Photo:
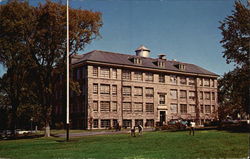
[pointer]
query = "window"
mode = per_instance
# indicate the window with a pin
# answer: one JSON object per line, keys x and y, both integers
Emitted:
{"x": 149, "y": 92}
{"x": 114, "y": 73}
{"x": 162, "y": 99}
{"x": 95, "y": 88}
{"x": 161, "y": 78}
{"x": 200, "y": 82}
{"x": 95, "y": 106}
{"x": 149, "y": 123}
{"x": 149, "y": 77}
{"x": 126, "y": 90}
{"x": 192, "y": 108}
{"x": 149, "y": 107}
{"x": 126, "y": 123}
{"x": 104, "y": 72}
{"x": 183, "y": 108}
{"x": 114, "y": 106}
{"x": 161, "y": 64}
{"x": 95, "y": 123}
{"x": 202, "y": 109}
{"x": 95, "y": 71}
{"x": 183, "y": 80}
{"x": 137, "y": 61}
{"x": 213, "y": 109}
{"x": 201, "y": 95}
{"x": 105, "y": 89}
{"x": 105, "y": 123}
{"x": 213, "y": 96}
{"x": 126, "y": 75}
{"x": 207, "y": 109}
{"x": 138, "y": 122}
{"x": 114, "y": 90}
{"x": 127, "y": 107}
{"x": 206, "y": 82}
{"x": 192, "y": 95}
{"x": 173, "y": 94}
{"x": 115, "y": 121}
{"x": 212, "y": 83}
{"x": 207, "y": 95}
{"x": 173, "y": 108}
{"x": 138, "y": 107}
{"x": 183, "y": 94}
{"x": 138, "y": 91}
{"x": 173, "y": 79}
{"x": 105, "y": 106}
{"x": 138, "y": 76}
{"x": 191, "y": 81}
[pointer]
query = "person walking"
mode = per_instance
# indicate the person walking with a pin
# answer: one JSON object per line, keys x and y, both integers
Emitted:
{"x": 140, "y": 129}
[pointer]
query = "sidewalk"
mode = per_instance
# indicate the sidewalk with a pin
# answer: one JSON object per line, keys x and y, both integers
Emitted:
{"x": 92, "y": 133}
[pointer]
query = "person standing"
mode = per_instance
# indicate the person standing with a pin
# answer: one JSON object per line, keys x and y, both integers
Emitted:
{"x": 140, "y": 129}
{"x": 192, "y": 126}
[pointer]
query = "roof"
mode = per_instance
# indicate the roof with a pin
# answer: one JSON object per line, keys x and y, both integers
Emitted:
{"x": 142, "y": 47}
{"x": 125, "y": 59}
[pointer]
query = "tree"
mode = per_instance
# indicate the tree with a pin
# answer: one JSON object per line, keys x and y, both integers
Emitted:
{"x": 42, "y": 37}
{"x": 234, "y": 86}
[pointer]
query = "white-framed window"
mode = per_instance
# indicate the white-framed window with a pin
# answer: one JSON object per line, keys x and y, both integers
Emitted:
{"x": 114, "y": 106}
{"x": 114, "y": 89}
{"x": 206, "y": 82}
{"x": 95, "y": 88}
{"x": 207, "y": 95}
{"x": 208, "y": 109}
{"x": 213, "y": 96}
{"x": 212, "y": 82}
{"x": 126, "y": 90}
{"x": 162, "y": 99}
{"x": 95, "y": 71}
{"x": 201, "y": 95}
{"x": 105, "y": 72}
{"x": 95, "y": 123}
{"x": 138, "y": 91}
{"x": 202, "y": 108}
{"x": 105, "y": 106}
{"x": 173, "y": 94}
{"x": 95, "y": 106}
{"x": 183, "y": 108}
{"x": 192, "y": 95}
{"x": 192, "y": 108}
{"x": 105, "y": 123}
{"x": 149, "y": 107}
{"x": 161, "y": 78}
{"x": 126, "y": 75}
{"x": 183, "y": 94}
{"x": 114, "y": 73}
{"x": 105, "y": 89}
{"x": 138, "y": 76}
{"x": 183, "y": 80}
{"x": 200, "y": 81}
{"x": 173, "y": 108}
{"x": 173, "y": 79}
{"x": 149, "y": 92}
{"x": 138, "y": 107}
{"x": 149, "y": 77}
{"x": 191, "y": 81}
{"x": 127, "y": 107}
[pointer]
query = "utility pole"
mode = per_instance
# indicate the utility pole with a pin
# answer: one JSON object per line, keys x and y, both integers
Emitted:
{"x": 67, "y": 111}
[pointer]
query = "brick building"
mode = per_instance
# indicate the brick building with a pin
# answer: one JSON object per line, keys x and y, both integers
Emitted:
{"x": 132, "y": 89}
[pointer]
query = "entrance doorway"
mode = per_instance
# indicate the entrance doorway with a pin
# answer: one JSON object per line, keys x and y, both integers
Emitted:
{"x": 162, "y": 117}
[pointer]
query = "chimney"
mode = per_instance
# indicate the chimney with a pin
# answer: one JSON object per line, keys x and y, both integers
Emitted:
{"x": 142, "y": 51}
{"x": 162, "y": 57}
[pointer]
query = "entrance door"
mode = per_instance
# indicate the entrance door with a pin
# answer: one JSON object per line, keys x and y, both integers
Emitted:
{"x": 162, "y": 117}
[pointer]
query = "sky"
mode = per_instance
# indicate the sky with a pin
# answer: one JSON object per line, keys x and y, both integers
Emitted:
{"x": 185, "y": 30}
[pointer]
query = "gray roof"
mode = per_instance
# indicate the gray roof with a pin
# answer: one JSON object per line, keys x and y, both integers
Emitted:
{"x": 142, "y": 47}
{"x": 125, "y": 59}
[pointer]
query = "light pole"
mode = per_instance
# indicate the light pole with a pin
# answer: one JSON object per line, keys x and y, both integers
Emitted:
{"x": 67, "y": 111}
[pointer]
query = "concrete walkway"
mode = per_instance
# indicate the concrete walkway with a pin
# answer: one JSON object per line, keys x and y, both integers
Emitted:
{"x": 92, "y": 133}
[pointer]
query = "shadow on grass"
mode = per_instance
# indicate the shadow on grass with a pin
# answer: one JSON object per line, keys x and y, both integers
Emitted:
{"x": 22, "y": 137}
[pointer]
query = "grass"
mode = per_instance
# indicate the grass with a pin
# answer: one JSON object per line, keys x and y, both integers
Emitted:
{"x": 205, "y": 144}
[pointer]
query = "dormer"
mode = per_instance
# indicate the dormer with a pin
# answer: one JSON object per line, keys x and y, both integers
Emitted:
{"x": 180, "y": 66}
{"x": 136, "y": 60}
{"x": 160, "y": 63}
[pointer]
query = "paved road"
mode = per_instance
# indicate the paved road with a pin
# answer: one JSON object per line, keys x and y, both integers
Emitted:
{"x": 92, "y": 133}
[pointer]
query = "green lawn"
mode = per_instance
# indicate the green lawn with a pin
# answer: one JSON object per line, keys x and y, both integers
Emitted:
{"x": 205, "y": 144}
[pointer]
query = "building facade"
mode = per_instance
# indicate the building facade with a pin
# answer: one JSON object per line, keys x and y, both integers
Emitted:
{"x": 137, "y": 89}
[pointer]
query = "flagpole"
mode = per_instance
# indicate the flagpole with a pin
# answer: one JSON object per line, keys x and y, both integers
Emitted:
{"x": 67, "y": 118}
